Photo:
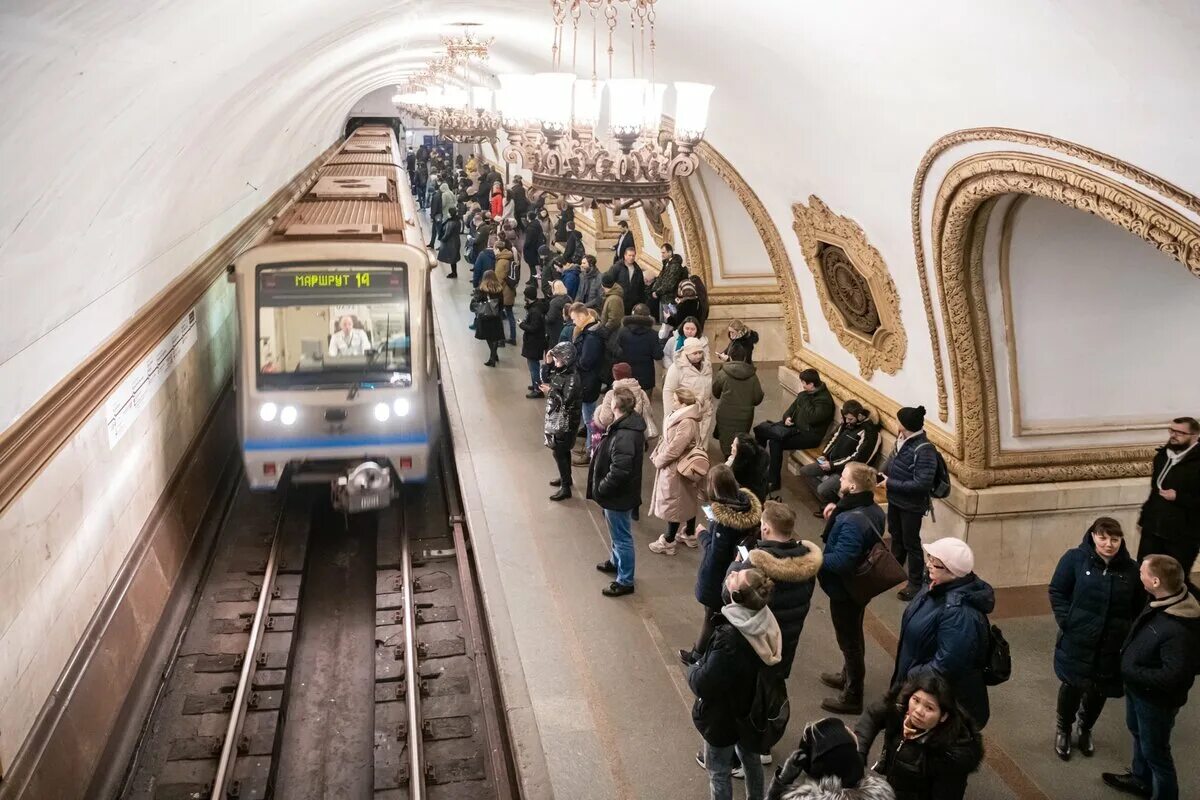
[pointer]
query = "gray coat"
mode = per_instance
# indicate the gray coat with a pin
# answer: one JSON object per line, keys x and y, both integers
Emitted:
{"x": 590, "y": 292}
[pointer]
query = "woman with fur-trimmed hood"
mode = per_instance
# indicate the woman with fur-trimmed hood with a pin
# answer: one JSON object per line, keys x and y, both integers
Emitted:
{"x": 736, "y": 515}
{"x": 827, "y": 766}
{"x": 793, "y": 566}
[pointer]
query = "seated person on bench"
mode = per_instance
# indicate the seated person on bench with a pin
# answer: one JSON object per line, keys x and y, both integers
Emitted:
{"x": 856, "y": 439}
{"x": 803, "y": 425}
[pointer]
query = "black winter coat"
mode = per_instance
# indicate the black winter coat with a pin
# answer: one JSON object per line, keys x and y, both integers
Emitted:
{"x": 620, "y": 274}
{"x": 489, "y": 329}
{"x": 723, "y": 682}
{"x": 555, "y": 319}
{"x": 793, "y": 566}
{"x": 615, "y": 473}
{"x": 1161, "y": 657}
{"x": 688, "y": 307}
{"x": 750, "y": 468}
{"x": 639, "y": 347}
{"x": 1177, "y": 519}
{"x": 859, "y": 443}
{"x": 811, "y": 412}
{"x": 945, "y": 630}
{"x": 1094, "y": 605}
{"x": 910, "y": 474}
{"x": 573, "y": 251}
{"x": 533, "y": 341}
{"x": 590, "y": 344}
{"x": 564, "y": 393}
{"x": 535, "y": 237}
{"x": 636, "y": 291}
{"x": 731, "y": 523}
{"x": 450, "y": 251}
{"x": 853, "y": 528}
{"x": 933, "y": 767}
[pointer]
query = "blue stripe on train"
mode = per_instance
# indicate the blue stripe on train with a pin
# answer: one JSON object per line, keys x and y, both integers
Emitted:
{"x": 334, "y": 442}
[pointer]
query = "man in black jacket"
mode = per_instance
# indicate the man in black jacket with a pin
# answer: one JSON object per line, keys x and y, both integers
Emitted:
{"x": 746, "y": 641}
{"x": 803, "y": 426}
{"x": 1159, "y": 662}
{"x": 909, "y": 477}
{"x": 615, "y": 483}
{"x": 1170, "y": 518}
{"x": 624, "y": 241}
{"x": 856, "y": 439}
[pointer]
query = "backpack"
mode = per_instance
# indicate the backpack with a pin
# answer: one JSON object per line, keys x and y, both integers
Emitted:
{"x": 997, "y": 665}
{"x": 941, "y": 475}
{"x": 767, "y": 718}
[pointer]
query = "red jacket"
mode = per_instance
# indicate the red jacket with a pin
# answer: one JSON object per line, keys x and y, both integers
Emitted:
{"x": 497, "y": 205}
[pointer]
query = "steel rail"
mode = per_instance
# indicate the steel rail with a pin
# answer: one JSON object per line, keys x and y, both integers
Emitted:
{"x": 412, "y": 694}
{"x": 237, "y": 715}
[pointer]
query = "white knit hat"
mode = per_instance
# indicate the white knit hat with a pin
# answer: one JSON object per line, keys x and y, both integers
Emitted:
{"x": 955, "y": 554}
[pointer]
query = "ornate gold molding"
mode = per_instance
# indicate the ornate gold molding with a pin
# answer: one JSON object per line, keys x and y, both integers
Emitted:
{"x": 772, "y": 241}
{"x": 963, "y": 203}
{"x": 1136, "y": 174}
{"x": 817, "y": 226}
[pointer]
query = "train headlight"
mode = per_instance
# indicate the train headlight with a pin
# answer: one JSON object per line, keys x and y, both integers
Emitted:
{"x": 400, "y": 406}
{"x": 288, "y": 415}
{"x": 268, "y": 411}
{"x": 382, "y": 412}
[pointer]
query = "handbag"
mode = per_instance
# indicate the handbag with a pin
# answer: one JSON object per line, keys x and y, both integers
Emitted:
{"x": 878, "y": 572}
{"x": 487, "y": 309}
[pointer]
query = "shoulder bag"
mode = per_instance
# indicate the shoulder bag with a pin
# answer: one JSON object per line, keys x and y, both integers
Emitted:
{"x": 878, "y": 571}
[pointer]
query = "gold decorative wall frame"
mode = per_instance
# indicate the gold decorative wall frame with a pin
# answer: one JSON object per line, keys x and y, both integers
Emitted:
{"x": 817, "y": 226}
{"x": 1150, "y": 181}
{"x": 958, "y": 221}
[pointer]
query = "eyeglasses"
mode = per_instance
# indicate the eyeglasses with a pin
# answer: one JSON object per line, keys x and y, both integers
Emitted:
{"x": 1178, "y": 432}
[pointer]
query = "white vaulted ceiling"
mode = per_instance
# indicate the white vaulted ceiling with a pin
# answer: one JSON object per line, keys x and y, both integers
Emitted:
{"x": 137, "y": 133}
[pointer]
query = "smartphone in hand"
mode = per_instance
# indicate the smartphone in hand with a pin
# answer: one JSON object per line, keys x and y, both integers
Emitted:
{"x": 743, "y": 553}
{"x": 708, "y": 512}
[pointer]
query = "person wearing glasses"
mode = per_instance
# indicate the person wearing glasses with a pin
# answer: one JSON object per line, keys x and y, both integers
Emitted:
{"x": 1170, "y": 518}
{"x": 945, "y": 628}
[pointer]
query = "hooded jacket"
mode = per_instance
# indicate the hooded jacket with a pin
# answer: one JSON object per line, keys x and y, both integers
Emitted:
{"x": 732, "y": 523}
{"x": 931, "y": 767}
{"x": 535, "y": 237}
{"x": 738, "y": 390}
{"x": 668, "y": 278}
{"x": 450, "y": 251}
{"x": 483, "y": 262}
{"x": 675, "y": 498}
{"x": 1177, "y": 519}
{"x": 533, "y": 340}
{"x": 573, "y": 251}
{"x": 1094, "y": 604}
{"x": 724, "y": 678}
{"x": 945, "y": 630}
{"x": 564, "y": 393}
{"x": 910, "y": 473}
{"x": 871, "y": 787}
{"x": 750, "y": 466}
{"x": 613, "y": 310}
{"x": 590, "y": 342}
{"x": 1161, "y": 656}
{"x": 793, "y": 565}
{"x": 811, "y": 412}
{"x": 605, "y": 413}
{"x": 570, "y": 279}
{"x": 639, "y": 346}
{"x": 859, "y": 443}
{"x": 748, "y": 340}
{"x": 615, "y": 472}
{"x": 683, "y": 373}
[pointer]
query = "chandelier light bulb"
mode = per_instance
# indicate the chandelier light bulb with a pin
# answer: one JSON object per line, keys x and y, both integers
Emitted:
{"x": 516, "y": 90}
{"x": 691, "y": 109}
{"x": 654, "y": 107}
{"x": 481, "y": 98}
{"x": 455, "y": 99}
{"x": 589, "y": 94}
{"x": 553, "y": 93}
{"x": 626, "y": 106}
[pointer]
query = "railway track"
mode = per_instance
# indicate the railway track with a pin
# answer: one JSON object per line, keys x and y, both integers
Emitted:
{"x": 328, "y": 656}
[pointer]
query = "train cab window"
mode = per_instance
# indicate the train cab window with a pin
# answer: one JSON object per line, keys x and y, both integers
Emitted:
{"x": 326, "y": 327}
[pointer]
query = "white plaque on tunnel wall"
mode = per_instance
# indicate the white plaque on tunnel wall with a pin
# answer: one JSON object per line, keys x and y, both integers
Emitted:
{"x": 127, "y": 401}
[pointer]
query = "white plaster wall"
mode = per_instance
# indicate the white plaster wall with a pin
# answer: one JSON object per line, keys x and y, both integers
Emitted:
{"x": 1086, "y": 354}
{"x": 138, "y": 132}
{"x": 741, "y": 258}
{"x": 376, "y": 104}
{"x": 64, "y": 538}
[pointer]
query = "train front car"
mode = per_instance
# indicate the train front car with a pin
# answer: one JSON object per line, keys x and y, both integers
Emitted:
{"x": 336, "y": 380}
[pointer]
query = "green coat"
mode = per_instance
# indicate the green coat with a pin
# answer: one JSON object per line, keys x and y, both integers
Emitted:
{"x": 812, "y": 412}
{"x": 737, "y": 387}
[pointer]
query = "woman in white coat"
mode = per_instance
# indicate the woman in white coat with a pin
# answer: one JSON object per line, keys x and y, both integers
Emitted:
{"x": 692, "y": 370}
{"x": 676, "y": 498}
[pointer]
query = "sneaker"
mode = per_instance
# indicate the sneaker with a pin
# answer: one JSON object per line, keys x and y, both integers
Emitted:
{"x": 607, "y": 567}
{"x": 662, "y": 546}
{"x": 688, "y": 657}
{"x": 737, "y": 771}
{"x": 615, "y": 589}
{"x": 689, "y": 539}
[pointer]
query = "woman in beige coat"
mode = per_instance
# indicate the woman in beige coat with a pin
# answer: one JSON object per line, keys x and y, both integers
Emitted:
{"x": 692, "y": 370}
{"x": 676, "y": 498}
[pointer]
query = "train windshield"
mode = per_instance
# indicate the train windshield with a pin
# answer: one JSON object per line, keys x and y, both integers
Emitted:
{"x": 327, "y": 326}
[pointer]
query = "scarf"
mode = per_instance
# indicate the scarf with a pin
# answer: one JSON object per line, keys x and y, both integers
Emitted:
{"x": 848, "y": 502}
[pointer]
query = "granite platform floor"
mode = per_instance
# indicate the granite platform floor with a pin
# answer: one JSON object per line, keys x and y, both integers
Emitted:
{"x": 607, "y": 699}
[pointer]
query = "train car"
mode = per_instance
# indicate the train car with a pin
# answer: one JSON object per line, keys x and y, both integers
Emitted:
{"x": 336, "y": 376}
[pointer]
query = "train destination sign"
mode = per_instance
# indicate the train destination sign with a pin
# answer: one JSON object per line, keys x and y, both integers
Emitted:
{"x": 355, "y": 284}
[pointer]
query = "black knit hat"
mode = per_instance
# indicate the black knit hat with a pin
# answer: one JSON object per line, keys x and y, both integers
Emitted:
{"x": 832, "y": 750}
{"x": 608, "y": 280}
{"x": 913, "y": 419}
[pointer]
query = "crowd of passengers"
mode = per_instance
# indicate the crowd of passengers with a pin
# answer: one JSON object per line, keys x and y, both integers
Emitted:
{"x": 595, "y": 338}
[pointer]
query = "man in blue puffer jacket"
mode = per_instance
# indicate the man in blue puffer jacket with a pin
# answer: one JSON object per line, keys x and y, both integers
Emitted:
{"x": 945, "y": 629}
{"x": 909, "y": 477}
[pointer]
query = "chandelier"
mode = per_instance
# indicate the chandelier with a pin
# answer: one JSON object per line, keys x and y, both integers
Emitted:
{"x": 461, "y": 113}
{"x": 552, "y": 119}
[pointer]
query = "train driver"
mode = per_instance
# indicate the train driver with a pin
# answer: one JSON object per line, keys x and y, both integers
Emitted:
{"x": 349, "y": 340}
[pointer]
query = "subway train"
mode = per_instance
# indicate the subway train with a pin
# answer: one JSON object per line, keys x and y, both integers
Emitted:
{"x": 337, "y": 372}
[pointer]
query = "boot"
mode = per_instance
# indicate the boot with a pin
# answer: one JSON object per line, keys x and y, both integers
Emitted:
{"x": 1062, "y": 739}
{"x": 1084, "y": 741}
{"x": 834, "y": 680}
{"x": 1085, "y": 720}
{"x": 579, "y": 458}
{"x": 564, "y": 493}
{"x": 843, "y": 704}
